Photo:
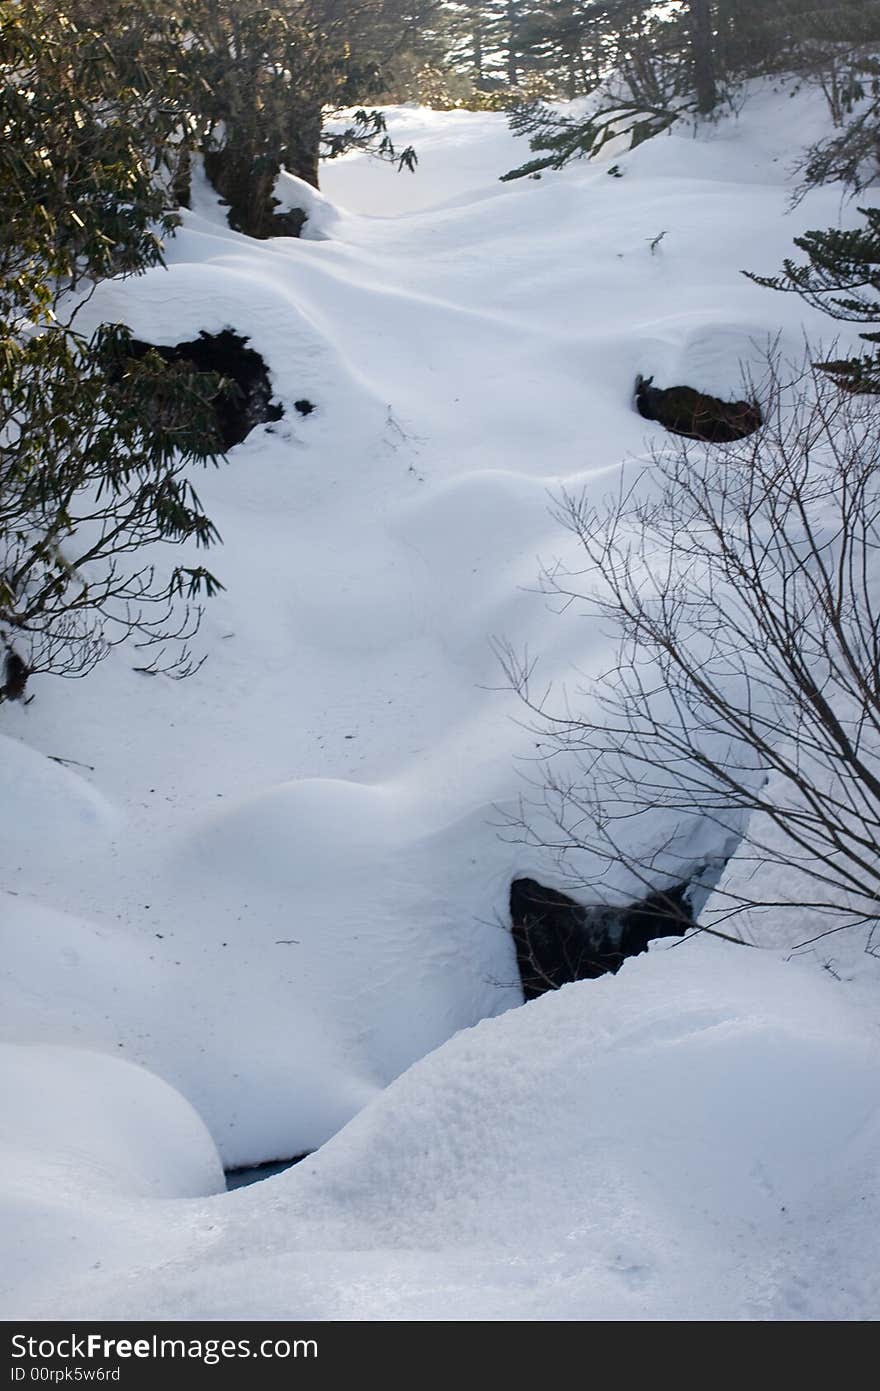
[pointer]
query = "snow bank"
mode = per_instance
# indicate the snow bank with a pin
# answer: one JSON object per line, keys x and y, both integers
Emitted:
{"x": 279, "y": 884}
{"x": 461, "y": 156}
{"x": 676, "y": 1142}
{"x": 50, "y": 816}
{"x": 102, "y": 1124}
{"x": 87, "y": 1144}
{"x": 294, "y": 193}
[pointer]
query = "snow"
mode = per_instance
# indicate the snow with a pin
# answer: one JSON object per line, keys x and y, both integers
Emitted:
{"x": 99, "y": 1124}
{"x": 676, "y": 1143}
{"x": 89, "y": 1142}
{"x": 277, "y": 889}
{"x": 460, "y": 154}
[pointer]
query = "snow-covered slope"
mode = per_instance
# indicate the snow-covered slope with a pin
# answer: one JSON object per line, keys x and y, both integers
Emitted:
{"x": 675, "y": 1142}
{"x": 278, "y": 884}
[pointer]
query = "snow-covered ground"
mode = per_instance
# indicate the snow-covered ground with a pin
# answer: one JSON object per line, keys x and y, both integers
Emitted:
{"x": 277, "y": 886}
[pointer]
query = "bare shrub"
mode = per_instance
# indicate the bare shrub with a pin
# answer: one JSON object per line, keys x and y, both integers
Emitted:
{"x": 743, "y": 582}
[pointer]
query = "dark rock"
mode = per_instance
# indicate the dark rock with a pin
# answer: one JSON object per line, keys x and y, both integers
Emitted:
{"x": 558, "y": 940}
{"x": 248, "y": 402}
{"x": 304, "y": 407}
{"x": 684, "y": 411}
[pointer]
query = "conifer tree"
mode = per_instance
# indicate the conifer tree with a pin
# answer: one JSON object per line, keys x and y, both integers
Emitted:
{"x": 634, "y": 61}
{"x": 841, "y": 277}
{"x": 656, "y": 63}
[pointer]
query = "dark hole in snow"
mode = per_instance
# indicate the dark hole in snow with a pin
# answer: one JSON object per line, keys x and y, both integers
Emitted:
{"x": 685, "y": 411}
{"x": 558, "y": 940}
{"x": 249, "y": 403}
{"x": 287, "y": 224}
{"x": 304, "y": 407}
{"x": 255, "y": 1173}
{"x": 245, "y": 190}
{"x": 15, "y": 673}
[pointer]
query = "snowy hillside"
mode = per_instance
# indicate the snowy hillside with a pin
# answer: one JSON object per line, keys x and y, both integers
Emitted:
{"x": 278, "y": 885}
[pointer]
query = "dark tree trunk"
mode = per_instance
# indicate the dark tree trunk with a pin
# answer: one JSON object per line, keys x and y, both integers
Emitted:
{"x": 303, "y": 152}
{"x": 245, "y": 177}
{"x": 235, "y": 173}
{"x": 478, "y": 48}
{"x": 181, "y": 184}
{"x": 703, "y": 55}
{"x": 512, "y": 55}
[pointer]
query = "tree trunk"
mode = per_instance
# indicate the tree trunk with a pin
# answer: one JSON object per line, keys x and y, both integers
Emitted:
{"x": 512, "y": 64}
{"x": 478, "y": 48}
{"x": 234, "y": 172}
{"x": 181, "y": 183}
{"x": 303, "y": 151}
{"x": 703, "y": 55}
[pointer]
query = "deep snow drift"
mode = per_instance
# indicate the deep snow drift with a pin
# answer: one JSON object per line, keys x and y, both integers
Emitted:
{"x": 279, "y": 884}
{"x": 675, "y": 1142}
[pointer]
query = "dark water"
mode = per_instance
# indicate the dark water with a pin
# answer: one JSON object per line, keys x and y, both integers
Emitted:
{"x": 240, "y": 1178}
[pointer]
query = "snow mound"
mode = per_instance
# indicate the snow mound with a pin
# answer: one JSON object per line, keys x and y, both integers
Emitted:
{"x": 672, "y": 1143}
{"x": 321, "y": 215}
{"x": 50, "y": 817}
{"x": 96, "y": 1123}
{"x": 304, "y": 891}
{"x": 88, "y": 1143}
{"x": 461, "y": 155}
{"x": 699, "y": 1087}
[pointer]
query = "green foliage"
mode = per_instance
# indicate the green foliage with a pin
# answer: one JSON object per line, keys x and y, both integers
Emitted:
{"x": 262, "y": 79}
{"x": 93, "y": 446}
{"x": 367, "y": 130}
{"x": 649, "y": 64}
{"x": 102, "y": 105}
{"x": 842, "y": 278}
{"x": 638, "y": 61}
{"x": 838, "y": 48}
{"x": 443, "y": 88}
{"x": 84, "y": 132}
{"x": 564, "y": 138}
{"x": 93, "y": 469}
